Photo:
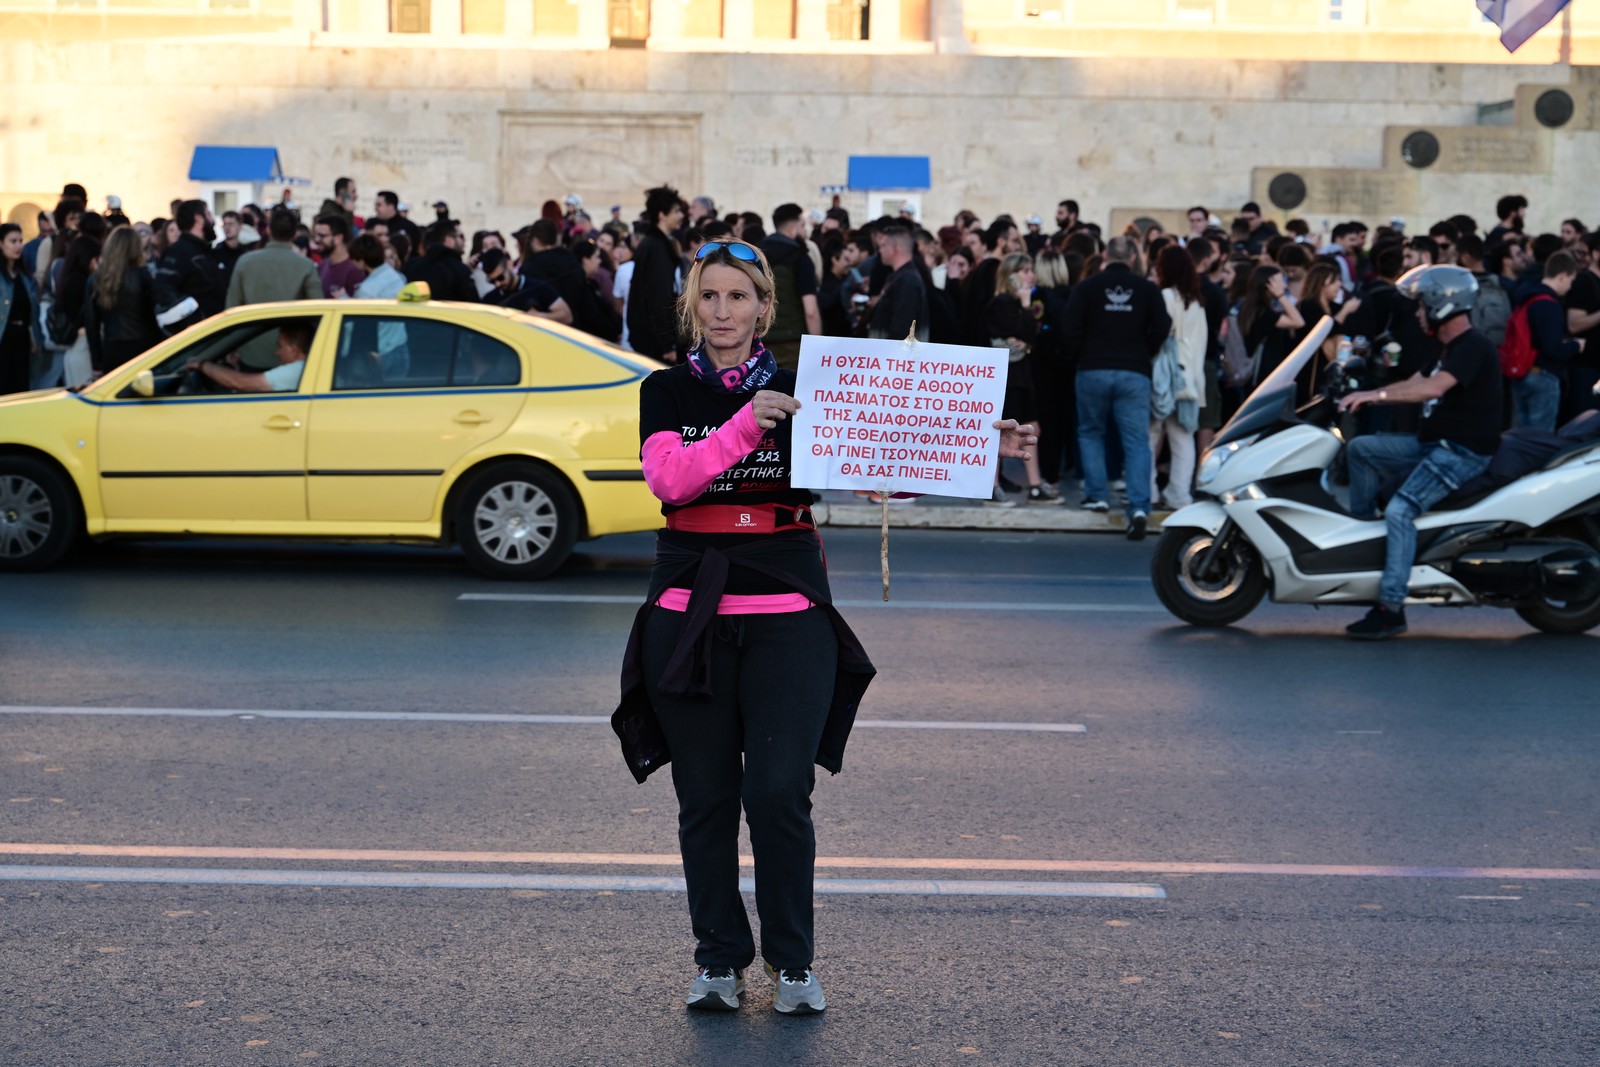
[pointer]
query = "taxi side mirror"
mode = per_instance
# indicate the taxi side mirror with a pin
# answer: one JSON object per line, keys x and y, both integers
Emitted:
{"x": 143, "y": 384}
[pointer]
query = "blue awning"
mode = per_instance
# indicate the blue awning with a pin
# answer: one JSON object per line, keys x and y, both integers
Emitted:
{"x": 234, "y": 163}
{"x": 890, "y": 172}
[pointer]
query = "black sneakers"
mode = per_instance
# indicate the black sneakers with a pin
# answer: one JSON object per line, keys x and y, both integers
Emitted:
{"x": 1379, "y": 624}
{"x": 1138, "y": 523}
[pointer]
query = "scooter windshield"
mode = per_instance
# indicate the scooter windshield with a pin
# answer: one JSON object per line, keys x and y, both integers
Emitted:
{"x": 1273, "y": 400}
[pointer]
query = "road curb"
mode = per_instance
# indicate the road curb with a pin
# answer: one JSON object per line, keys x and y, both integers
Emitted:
{"x": 1036, "y": 518}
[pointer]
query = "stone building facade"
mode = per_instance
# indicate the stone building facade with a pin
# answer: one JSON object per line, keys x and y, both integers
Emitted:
{"x": 496, "y": 122}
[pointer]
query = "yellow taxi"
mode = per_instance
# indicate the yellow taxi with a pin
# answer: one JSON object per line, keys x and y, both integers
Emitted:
{"x": 411, "y": 420}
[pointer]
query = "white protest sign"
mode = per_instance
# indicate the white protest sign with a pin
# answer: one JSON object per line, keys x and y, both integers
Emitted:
{"x": 893, "y": 415}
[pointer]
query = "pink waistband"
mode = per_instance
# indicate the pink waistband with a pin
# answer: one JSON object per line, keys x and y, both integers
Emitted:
{"x": 734, "y": 604}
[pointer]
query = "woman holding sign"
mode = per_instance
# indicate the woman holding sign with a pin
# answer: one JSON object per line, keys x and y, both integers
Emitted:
{"x": 738, "y": 669}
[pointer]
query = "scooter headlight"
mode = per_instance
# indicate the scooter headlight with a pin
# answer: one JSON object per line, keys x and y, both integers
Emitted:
{"x": 1216, "y": 458}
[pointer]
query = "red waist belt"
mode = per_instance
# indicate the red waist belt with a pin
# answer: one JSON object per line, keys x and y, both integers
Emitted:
{"x": 741, "y": 518}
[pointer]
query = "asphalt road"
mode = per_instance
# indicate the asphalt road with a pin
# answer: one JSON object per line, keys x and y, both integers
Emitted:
{"x": 1330, "y": 853}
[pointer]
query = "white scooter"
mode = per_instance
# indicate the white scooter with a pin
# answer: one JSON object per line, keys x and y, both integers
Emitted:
{"x": 1269, "y": 523}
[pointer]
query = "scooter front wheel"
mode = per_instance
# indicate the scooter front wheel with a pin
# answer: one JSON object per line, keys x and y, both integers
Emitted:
{"x": 1204, "y": 588}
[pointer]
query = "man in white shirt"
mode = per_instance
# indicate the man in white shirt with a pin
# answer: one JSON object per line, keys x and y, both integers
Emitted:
{"x": 619, "y": 291}
{"x": 294, "y": 342}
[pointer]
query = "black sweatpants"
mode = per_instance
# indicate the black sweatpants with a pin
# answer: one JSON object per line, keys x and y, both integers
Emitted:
{"x": 772, "y": 683}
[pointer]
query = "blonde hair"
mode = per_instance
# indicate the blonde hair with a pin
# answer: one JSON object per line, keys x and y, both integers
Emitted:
{"x": 1051, "y": 270}
{"x": 123, "y": 252}
{"x": 759, "y": 273}
{"x": 1008, "y": 268}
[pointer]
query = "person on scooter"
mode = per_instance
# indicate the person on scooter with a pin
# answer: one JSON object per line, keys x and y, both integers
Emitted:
{"x": 1462, "y": 411}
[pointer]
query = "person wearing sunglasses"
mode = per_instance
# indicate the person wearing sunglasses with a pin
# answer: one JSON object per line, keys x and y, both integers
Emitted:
{"x": 510, "y": 288}
{"x": 739, "y": 670}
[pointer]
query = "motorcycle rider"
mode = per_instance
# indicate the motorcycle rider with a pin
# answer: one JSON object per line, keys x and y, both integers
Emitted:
{"x": 1462, "y": 411}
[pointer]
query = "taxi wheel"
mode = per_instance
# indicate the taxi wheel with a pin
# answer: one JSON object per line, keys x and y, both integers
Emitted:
{"x": 39, "y": 514}
{"x": 516, "y": 520}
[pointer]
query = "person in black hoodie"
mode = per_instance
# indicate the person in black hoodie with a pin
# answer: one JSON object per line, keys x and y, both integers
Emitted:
{"x": 1536, "y": 399}
{"x": 562, "y": 270}
{"x": 1115, "y": 324}
{"x": 1583, "y": 320}
{"x": 653, "y": 294}
{"x": 440, "y": 266}
{"x": 188, "y": 273}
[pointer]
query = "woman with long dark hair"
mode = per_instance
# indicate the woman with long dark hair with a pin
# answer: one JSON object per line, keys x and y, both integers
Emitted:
{"x": 1269, "y": 318}
{"x": 72, "y": 288}
{"x": 607, "y": 323}
{"x": 120, "y": 312}
{"x": 21, "y": 338}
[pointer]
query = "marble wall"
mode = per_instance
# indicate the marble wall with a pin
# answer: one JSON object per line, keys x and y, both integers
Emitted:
{"x": 495, "y": 130}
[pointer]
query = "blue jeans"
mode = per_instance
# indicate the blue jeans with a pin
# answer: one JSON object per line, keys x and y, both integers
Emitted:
{"x": 1372, "y": 460}
{"x": 1536, "y": 399}
{"x": 1118, "y": 399}
{"x": 50, "y": 377}
{"x": 1444, "y": 467}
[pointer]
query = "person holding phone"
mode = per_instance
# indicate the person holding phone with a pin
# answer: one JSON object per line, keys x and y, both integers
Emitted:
{"x": 1014, "y": 320}
{"x": 739, "y": 671}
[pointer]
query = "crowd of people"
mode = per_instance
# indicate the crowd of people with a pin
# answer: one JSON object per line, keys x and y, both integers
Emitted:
{"x": 1079, "y": 312}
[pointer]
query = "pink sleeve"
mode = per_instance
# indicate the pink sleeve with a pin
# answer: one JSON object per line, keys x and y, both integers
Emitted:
{"x": 677, "y": 474}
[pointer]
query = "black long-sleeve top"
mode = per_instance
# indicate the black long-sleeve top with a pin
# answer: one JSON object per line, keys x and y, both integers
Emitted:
{"x": 652, "y": 297}
{"x": 1006, "y": 317}
{"x": 127, "y": 328}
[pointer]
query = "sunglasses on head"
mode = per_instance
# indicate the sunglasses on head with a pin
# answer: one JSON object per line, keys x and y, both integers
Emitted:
{"x": 733, "y": 248}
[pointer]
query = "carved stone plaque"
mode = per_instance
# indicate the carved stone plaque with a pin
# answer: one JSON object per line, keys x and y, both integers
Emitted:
{"x": 1475, "y": 149}
{"x": 605, "y": 157}
{"x": 1535, "y": 103}
{"x": 1340, "y": 193}
{"x": 1496, "y": 150}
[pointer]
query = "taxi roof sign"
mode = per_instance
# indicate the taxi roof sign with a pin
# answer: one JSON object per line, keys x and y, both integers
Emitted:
{"x": 415, "y": 293}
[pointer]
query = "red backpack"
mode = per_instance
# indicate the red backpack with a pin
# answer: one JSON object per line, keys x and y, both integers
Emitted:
{"x": 1516, "y": 351}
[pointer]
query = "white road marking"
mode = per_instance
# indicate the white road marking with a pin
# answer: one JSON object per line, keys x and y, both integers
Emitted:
{"x": 560, "y": 882}
{"x": 1361, "y": 732}
{"x": 865, "y": 863}
{"x": 498, "y": 717}
{"x": 1477, "y": 897}
{"x": 909, "y": 605}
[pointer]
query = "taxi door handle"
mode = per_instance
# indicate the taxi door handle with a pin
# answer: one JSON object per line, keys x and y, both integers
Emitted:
{"x": 282, "y": 422}
{"x": 472, "y": 418}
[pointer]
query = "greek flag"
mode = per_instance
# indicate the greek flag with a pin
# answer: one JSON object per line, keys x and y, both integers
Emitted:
{"x": 1520, "y": 19}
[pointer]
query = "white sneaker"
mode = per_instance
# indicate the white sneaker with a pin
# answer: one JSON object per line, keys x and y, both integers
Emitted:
{"x": 716, "y": 989}
{"x": 798, "y": 991}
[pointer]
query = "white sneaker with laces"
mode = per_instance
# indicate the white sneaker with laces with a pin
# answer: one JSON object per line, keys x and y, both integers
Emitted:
{"x": 798, "y": 991}
{"x": 716, "y": 989}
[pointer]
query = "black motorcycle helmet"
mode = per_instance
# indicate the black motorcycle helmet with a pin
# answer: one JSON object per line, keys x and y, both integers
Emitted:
{"x": 1443, "y": 291}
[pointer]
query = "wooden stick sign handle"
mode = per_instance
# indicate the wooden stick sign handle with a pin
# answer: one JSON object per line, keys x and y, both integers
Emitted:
{"x": 884, "y": 494}
{"x": 883, "y": 544}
